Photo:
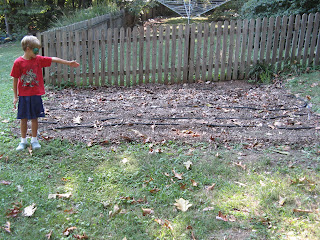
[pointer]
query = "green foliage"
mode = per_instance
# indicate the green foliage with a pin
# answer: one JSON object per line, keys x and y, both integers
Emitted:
{"x": 261, "y": 73}
{"x": 307, "y": 86}
{"x": 70, "y": 17}
{"x": 268, "y": 8}
{"x": 228, "y": 11}
{"x": 137, "y": 7}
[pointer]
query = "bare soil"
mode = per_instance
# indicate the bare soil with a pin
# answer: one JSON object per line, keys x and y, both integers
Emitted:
{"x": 230, "y": 112}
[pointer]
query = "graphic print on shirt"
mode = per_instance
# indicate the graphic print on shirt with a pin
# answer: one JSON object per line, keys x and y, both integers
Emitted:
{"x": 29, "y": 79}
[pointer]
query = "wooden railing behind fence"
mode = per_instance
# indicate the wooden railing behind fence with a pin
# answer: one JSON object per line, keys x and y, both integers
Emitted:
{"x": 182, "y": 53}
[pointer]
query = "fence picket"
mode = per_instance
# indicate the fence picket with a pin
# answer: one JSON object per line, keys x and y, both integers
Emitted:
{"x": 231, "y": 45}
{"x": 116, "y": 56}
{"x": 166, "y": 54}
{"x": 84, "y": 58}
{"x": 160, "y": 55}
{"x": 224, "y": 51}
{"x": 147, "y": 72}
{"x": 154, "y": 55}
{"x": 289, "y": 38}
{"x": 302, "y": 36}
{"x": 186, "y": 53}
{"x": 250, "y": 46}
{"x": 141, "y": 52}
{"x": 314, "y": 38}
{"x": 180, "y": 52}
{"x": 276, "y": 40}
{"x": 46, "y": 47}
{"x": 97, "y": 69}
{"x": 173, "y": 54}
{"x": 204, "y": 67}
{"x": 217, "y": 55}
{"x": 122, "y": 59}
{"x": 295, "y": 38}
{"x": 282, "y": 40}
{"x": 192, "y": 43}
{"x": 103, "y": 57}
{"x": 263, "y": 39}
{"x": 307, "y": 38}
{"x": 211, "y": 50}
{"x": 237, "y": 50}
{"x": 194, "y": 62}
{"x": 128, "y": 56}
{"x": 317, "y": 55}
{"x": 243, "y": 48}
{"x": 64, "y": 54}
{"x": 134, "y": 55}
{"x": 71, "y": 55}
{"x": 109, "y": 55}
{"x": 257, "y": 41}
{"x": 90, "y": 56}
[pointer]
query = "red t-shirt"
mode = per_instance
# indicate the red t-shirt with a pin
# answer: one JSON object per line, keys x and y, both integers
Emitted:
{"x": 29, "y": 73}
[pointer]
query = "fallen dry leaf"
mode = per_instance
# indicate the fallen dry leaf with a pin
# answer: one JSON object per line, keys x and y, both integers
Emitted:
{"x": 68, "y": 230}
{"x": 48, "y": 236}
{"x": 154, "y": 190}
{"x": 83, "y": 236}
{"x": 7, "y": 227}
{"x": 29, "y": 211}
{"x": 303, "y": 210}
{"x": 239, "y": 164}
{"x": 147, "y": 211}
{"x": 209, "y": 188}
{"x": 208, "y": 209}
{"x": 182, "y": 186}
{"x": 77, "y": 120}
{"x": 222, "y": 217}
{"x": 57, "y": 195}
{"x": 182, "y": 204}
{"x": 116, "y": 210}
{"x": 194, "y": 183}
{"x": 177, "y": 175}
{"x": 161, "y": 222}
{"x": 15, "y": 210}
{"x": 148, "y": 181}
{"x": 5, "y": 182}
{"x": 281, "y": 201}
{"x": 187, "y": 165}
{"x": 168, "y": 225}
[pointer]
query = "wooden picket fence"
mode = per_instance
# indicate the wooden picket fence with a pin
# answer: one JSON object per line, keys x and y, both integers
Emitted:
{"x": 181, "y": 53}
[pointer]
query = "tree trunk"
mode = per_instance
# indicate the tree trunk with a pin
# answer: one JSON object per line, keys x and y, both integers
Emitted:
{"x": 8, "y": 29}
{"x": 61, "y": 3}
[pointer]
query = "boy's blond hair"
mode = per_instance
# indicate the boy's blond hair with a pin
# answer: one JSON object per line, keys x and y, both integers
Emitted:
{"x": 31, "y": 42}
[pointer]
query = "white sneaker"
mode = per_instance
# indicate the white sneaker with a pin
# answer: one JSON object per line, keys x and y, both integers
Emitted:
{"x": 22, "y": 146}
{"x": 35, "y": 145}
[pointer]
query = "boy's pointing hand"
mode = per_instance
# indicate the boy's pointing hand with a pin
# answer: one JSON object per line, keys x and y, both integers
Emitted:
{"x": 74, "y": 64}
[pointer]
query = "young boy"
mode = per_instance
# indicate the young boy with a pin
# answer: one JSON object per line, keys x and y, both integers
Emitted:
{"x": 28, "y": 84}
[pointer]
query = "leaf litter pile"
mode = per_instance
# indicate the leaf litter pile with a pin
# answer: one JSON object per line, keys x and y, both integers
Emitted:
{"x": 235, "y": 112}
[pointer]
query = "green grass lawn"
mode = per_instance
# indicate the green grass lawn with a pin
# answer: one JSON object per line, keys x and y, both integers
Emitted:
{"x": 125, "y": 192}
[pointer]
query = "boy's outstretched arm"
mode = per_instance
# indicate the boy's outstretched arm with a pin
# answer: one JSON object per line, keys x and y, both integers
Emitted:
{"x": 72, "y": 63}
{"x": 15, "y": 92}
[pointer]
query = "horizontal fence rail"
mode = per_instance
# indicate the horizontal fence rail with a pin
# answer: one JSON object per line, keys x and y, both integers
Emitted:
{"x": 181, "y": 53}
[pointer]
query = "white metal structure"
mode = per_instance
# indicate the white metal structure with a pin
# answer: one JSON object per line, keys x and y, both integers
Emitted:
{"x": 191, "y": 8}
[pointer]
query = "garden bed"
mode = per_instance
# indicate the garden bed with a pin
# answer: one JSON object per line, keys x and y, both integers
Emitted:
{"x": 228, "y": 112}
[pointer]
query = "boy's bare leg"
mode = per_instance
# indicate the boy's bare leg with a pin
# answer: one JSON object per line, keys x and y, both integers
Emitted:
{"x": 34, "y": 127}
{"x": 34, "y": 140}
{"x": 23, "y": 127}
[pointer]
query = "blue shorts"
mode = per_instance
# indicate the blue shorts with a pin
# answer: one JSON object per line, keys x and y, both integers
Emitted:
{"x": 30, "y": 107}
